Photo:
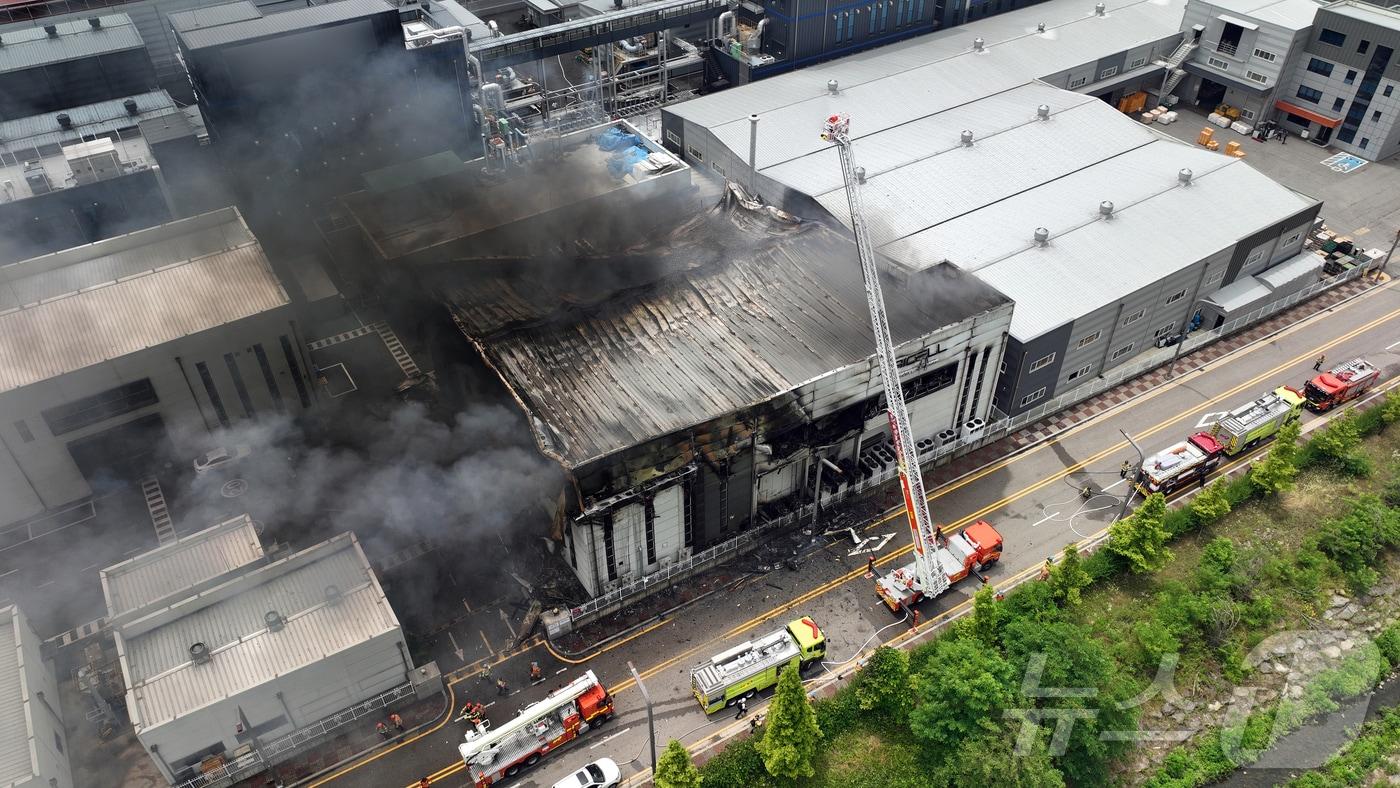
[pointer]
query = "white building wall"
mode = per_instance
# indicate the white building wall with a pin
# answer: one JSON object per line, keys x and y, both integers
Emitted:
{"x": 49, "y": 743}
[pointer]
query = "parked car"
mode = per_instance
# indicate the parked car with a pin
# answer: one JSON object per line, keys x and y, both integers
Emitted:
{"x": 221, "y": 457}
{"x": 602, "y": 773}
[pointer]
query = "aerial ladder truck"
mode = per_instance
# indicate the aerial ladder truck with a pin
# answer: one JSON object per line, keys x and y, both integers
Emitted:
{"x": 938, "y": 563}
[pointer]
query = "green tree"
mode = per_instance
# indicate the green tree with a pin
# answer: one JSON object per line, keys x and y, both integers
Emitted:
{"x": 996, "y": 759}
{"x": 1141, "y": 537}
{"x": 988, "y": 616}
{"x": 883, "y": 684}
{"x": 1068, "y": 577}
{"x": 1356, "y": 539}
{"x": 1336, "y": 441}
{"x": 674, "y": 769}
{"x": 961, "y": 691}
{"x": 1274, "y": 474}
{"x": 1390, "y": 409}
{"x": 1212, "y": 504}
{"x": 791, "y": 735}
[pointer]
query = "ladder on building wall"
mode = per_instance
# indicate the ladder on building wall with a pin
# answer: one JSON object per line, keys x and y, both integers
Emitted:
{"x": 160, "y": 512}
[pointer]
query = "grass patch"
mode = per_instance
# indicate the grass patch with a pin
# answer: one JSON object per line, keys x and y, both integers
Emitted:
{"x": 856, "y": 757}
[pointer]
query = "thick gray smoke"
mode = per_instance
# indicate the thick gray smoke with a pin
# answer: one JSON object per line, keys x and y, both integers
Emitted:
{"x": 399, "y": 480}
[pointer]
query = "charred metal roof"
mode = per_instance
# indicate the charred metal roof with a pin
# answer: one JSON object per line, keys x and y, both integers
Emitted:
{"x": 717, "y": 317}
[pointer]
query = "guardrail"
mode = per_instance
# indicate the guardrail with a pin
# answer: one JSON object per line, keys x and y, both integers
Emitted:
{"x": 265, "y": 755}
{"x": 993, "y": 432}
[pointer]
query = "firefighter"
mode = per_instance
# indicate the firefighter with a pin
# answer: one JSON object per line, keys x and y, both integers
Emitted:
{"x": 1317, "y": 365}
{"x": 396, "y": 721}
{"x": 1045, "y": 570}
{"x": 870, "y": 566}
{"x": 743, "y": 707}
{"x": 1086, "y": 492}
{"x": 381, "y": 729}
{"x": 536, "y": 673}
{"x": 502, "y": 688}
{"x": 424, "y": 783}
{"x": 1125, "y": 469}
{"x": 485, "y": 674}
{"x": 938, "y": 536}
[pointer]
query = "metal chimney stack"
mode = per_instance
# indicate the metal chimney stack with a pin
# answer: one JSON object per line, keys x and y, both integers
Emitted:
{"x": 1043, "y": 112}
{"x": 1042, "y": 236}
{"x": 1106, "y": 209}
{"x": 199, "y": 654}
{"x": 753, "y": 142}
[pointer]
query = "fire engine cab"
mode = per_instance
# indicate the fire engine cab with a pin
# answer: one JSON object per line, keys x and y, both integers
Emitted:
{"x": 1340, "y": 384}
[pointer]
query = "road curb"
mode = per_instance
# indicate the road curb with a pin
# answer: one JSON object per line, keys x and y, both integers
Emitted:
{"x": 566, "y": 655}
{"x": 402, "y": 738}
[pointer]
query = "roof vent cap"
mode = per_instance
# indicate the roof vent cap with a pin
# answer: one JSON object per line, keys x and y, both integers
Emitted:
{"x": 332, "y": 595}
{"x": 1040, "y": 28}
{"x": 978, "y": 44}
{"x": 832, "y": 87}
{"x": 1106, "y": 209}
{"x": 1184, "y": 176}
{"x": 860, "y": 175}
{"x": 199, "y": 654}
{"x": 64, "y": 122}
{"x": 967, "y": 138}
{"x": 1100, "y": 9}
{"x": 1043, "y": 112}
{"x": 1042, "y": 236}
{"x": 52, "y": 30}
{"x": 131, "y": 108}
{"x": 95, "y": 22}
{"x": 274, "y": 621}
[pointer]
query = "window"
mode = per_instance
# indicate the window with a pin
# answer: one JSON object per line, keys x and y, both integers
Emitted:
{"x": 1364, "y": 142}
{"x": 58, "y": 742}
{"x": 1122, "y": 351}
{"x": 1376, "y": 116}
{"x": 1363, "y": 46}
{"x": 1074, "y": 83}
{"x": 714, "y": 165}
{"x": 268, "y": 378}
{"x": 1257, "y": 77}
{"x": 1163, "y": 331}
{"x": 1264, "y": 54}
{"x": 1138, "y": 63}
{"x": 1215, "y": 277}
{"x": 1033, "y": 396}
{"x": 1079, "y": 373}
{"x": 1292, "y": 239}
{"x": 1042, "y": 362}
{"x": 650, "y": 517}
{"x": 296, "y": 371}
{"x": 1088, "y": 339}
{"x": 874, "y": 13}
{"x": 1320, "y": 67}
{"x": 1108, "y": 72}
{"x": 1309, "y": 94}
{"x": 1218, "y": 63}
{"x": 1350, "y": 77}
{"x": 694, "y": 153}
{"x": 1331, "y": 37}
{"x": 673, "y": 137}
{"x": 840, "y": 20}
{"x": 1298, "y": 119}
{"x": 214, "y": 398}
{"x": 1387, "y": 90}
{"x": 1177, "y": 296}
{"x": 238, "y": 384}
{"x": 23, "y": 430}
{"x": 1254, "y": 257}
{"x": 1134, "y": 317}
{"x": 1338, "y": 104}
{"x": 1247, "y": 114}
{"x": 610, "y": 551}
{"x": 99, "y": 407}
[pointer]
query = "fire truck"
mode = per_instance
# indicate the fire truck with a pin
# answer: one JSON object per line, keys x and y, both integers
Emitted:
{"x": 748, "y": 668}
{"x": 494, "y": 754}
{"x": 1249, "y": 425}
{"x": 1180, "y": 464}
{"x": 936, "y": 567}
{"x": 1340, "y": 384}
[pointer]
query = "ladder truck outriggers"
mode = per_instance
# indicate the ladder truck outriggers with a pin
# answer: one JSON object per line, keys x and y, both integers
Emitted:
{"x": 497, "y": 753}
{"x": 936, "y": 566}
{"x": 1340, "y": 384}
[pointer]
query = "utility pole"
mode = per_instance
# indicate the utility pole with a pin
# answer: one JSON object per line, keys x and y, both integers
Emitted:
{"x": 1185, "y": 329}
{"x": 1142, "y": 460}
{"x": 651, "y": 719}
{"x": 1389, "y": 254}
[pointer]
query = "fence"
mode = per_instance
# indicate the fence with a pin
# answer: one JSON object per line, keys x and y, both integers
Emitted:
{"x": 994, "y": 431}
{"x": 267, "y": 754}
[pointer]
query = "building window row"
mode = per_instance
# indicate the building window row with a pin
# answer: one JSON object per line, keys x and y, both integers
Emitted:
{"x": 1177, "y": 296}
{"x": 1079, "y": 82}
{"x": 1309, "y": 94}
{"x": 1218, "y": 63}
{"x": 1122, "y": 351}
{"x": 1318, "y": 66}
{"x": 1079, "y": 373}
{"x": 1134, "y": 317}
{"x": 1138, "y": 63}
{"x": 1108, "y": 72}
{"x": 100, "y": 407}
{"x": 1089, "y": 339}
{"x": 1257, "y": 77}
{"x": 1264, "y": 54}
{"x": 1331, "y": 37}
{"x": 1042, "y": 362}
{"x": 1033, "y": 396}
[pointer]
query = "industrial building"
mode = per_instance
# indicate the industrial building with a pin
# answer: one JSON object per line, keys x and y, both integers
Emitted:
{"x": 225, "y": 649}
{"x": 1342, "y": 89}
{"x": 116, "y": 348}
{"x": 67, "y": 64}
{"x": 974, "y": 161}
{"x": 33, "y": 743}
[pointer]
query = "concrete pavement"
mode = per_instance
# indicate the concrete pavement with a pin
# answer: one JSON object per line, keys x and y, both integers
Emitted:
{"x": 1031, "y": 497}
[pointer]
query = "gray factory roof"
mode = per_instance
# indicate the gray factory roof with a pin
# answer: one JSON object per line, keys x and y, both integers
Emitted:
{"x": 183, "y": 567}
{"x": 129, "y": 293}
{"x": 16, "y": 730}
{"x": 89, "y": 120}
{"x": 29, "y": 47}
{"x": 238, "y": 28}
{"x": 738, "y": 317}
{"x": 214, "y": 16}
{"x": 229, "y": 619}
{"x": 1288, "y": 14}
{"x": 1366, "y": 12}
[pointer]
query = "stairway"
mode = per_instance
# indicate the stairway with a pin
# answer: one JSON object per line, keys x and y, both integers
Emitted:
{"x": 1173, "y": 64}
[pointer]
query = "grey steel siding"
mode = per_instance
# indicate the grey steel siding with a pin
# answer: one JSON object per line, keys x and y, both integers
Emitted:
{"x": 1265, "y": 240}
{"x": 1018, "y": 381}
{"x": 1355, "y": 31}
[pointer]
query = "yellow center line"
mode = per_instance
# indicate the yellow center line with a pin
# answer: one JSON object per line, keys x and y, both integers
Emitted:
{"x": 897, "y": 512}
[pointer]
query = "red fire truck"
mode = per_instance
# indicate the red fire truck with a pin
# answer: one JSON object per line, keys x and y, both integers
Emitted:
{"x": 1340, "y": 384}
{"x": 1180, "y": 464}
{"x": 494, "y": 754}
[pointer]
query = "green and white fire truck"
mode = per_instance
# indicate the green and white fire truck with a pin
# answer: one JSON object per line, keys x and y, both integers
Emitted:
{"x": 748, "y": 668}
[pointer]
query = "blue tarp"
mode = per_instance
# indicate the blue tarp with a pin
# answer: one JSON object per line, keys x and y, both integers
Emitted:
{"x": 617, "y": 139}
{"x": 622, "y": 163}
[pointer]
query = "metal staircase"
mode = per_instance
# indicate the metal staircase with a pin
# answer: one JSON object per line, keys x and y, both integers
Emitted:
{"x": 1173, "y": 65}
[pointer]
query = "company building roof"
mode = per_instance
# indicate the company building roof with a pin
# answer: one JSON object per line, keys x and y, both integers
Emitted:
{"x": 30, "y": 47}
{"x": 68, "y": 310}
{"x": 219, "y": 26}
{"x": 16, "y": 731}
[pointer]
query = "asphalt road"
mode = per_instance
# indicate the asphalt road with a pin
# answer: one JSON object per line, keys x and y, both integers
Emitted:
{"x": 1031, "y": 497}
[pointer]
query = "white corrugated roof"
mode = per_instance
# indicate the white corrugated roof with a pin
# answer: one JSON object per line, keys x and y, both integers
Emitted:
{"x": 183, "y": 567}
{"x": 1289, "y": 14}
{"x": 163, "y": 684}
{"x": 1303, "y": 266}
{"x": 16, "y": 730}
{"x": 1365, "y": 12}
{"x": 1241, "y": 292}
{"x": 129, "y": 293}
